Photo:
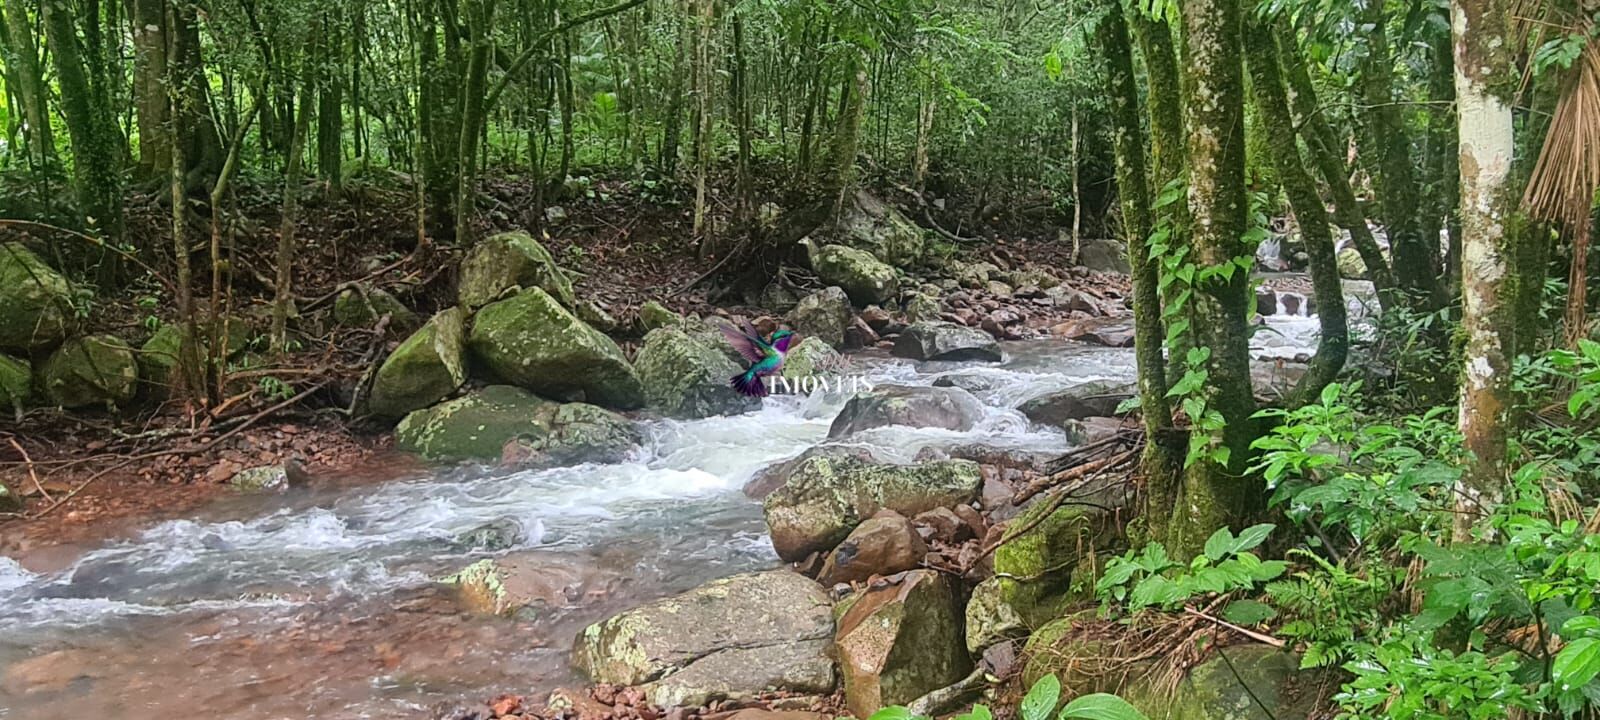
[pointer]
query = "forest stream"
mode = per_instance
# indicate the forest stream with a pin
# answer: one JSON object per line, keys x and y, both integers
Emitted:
{"x": 324, "y": 603}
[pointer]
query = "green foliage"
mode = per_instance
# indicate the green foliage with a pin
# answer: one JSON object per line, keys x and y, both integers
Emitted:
{"x": 1039, "y": 703}
{"x": 1149, "y": 578}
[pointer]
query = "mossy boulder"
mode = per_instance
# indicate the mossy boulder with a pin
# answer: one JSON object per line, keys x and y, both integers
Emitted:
{"x": 91, "y": 370}
{"x": 1253, "y": 682}
{"x": 732, "y": 638}
{"x": 16, "y": 383}
{"x": 596, "y": 315}
{"x": 922, "y": 307}
{"x": 37, "y": 301}
{"x": 1093, "y": 399}
{"x": 361, "y": 307}
{"x": 530, "y": 340}
{"x": 525, "y": 584}
{"x": 867, "y": 223}
{"x": 866, "y": 279}
{"x": 823, "y": 315}
{"x": 949, "y": 408}
{"x": 1351, "y": 265}
{"x": 901, "y": 641}
{"x": 479, "y": 425}
{"x": 824, "y": 498}
{"x": 991, "y": 617}
{"x": 1074, "y": 649}
{"x": 812, "y": 357}
{"x": 501, "y": 262}
{"x": 940, "y": 340}
{"x": 1035, "y": 570}
{"x": 158, "y": 356}
{"x": 424, "y": 369}
{"x": 653, "y": 315}
{"x": 685, "y": 376}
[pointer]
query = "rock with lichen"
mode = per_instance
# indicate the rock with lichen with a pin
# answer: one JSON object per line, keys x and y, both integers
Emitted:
{"x": 532, "y": 341}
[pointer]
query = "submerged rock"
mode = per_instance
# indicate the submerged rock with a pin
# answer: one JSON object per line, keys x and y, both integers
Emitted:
{"x": 501, "y": 262}
{"x": 940, "y": 340}
{"x": 825, "y": 498}
{"x": 728, "y": 639}
{"x": 526, "y": 583}
{"x": 824, "y": 315}
{"x": 901, "y": 641}
{"x": 502, "y": 534}
{"x": 479, "y": 426}
{"x": 92, "y": 370}
{"x": 910, "y": 406}
{"x": 532, "y": 341}
{"x": 426, "y": 368}
{"x": 686, "y": 377}
{"x": 37, "y": 301}
{"x": 863, "y": 277}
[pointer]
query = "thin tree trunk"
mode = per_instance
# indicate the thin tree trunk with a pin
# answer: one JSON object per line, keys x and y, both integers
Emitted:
{"x": 847, "y": 137}
{"x": 283, "y": 294}
{"x": 25, "y": 74}
{"x": 1486, "y": 80}
{"x": 705, "y": 14}
{"x": 1272, "y": 108}
{"x": 1159, "y": 463}
{"x": 96, "y": 143}
{"x": 480, "y": 17}
{"x": 1167, "y": 153}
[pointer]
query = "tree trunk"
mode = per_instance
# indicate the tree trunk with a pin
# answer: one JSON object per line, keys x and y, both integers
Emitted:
{"x": 1159, "y": 463}
{"x": 1443, "y": 175}
{"x": 1486, "y": 80}
{"x": 1272, "y": 108}
{"x": 1215, "y": 491}
{"x": 330, "y": 101}
{"x": 26, "y": 75}
{"x": 1326, "y": 153}
{"x": 847, "y": 137}
{"x": 480, "y": 19}
{"x": 283, "y": 291}
{"x": 96, "y": 143}
{"x": 1167, "y": 158}
{"x": 741, "y": 116}
{"x": 186, "y": 375}
{"x": 705, "y": 14}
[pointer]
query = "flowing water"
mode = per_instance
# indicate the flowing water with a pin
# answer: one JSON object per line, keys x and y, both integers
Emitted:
{"x": 324, "y": 604}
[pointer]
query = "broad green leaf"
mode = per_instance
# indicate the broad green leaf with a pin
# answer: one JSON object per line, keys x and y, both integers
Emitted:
{"x": 978, "y": 712}
{"x": 1253, "y": 536}
{"x": 893, "y": 712}
{"x": 1041, "y": 699}
{"x": 1219, "y": 544}
{"x": 1576, "y": 664}
{"x": 1248, "y": 612}
{"x": 1101, "y": 706}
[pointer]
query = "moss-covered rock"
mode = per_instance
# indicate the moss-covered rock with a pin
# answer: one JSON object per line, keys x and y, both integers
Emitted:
{"x": 524, "y": 584}
{"x": 731, "y": 638}
{"x": 899, "y": 642}
{"x": 863, "y": 277}
{"x": 653, "y": 315}
{"x": 1351, "y": 266}
{"x": 1035, "y": 569}
{"x": 1073, "y": 648}
{"x": 684, "y": 376}
{"x": 974, "y": 276}
{"x": 596, "y": 315}
{"x": 37, "y": 300}
{"x": 478, "y": 426}
{"x": 260, "y": 478}
{"x": 158, "y": 356}
{"x": 424, "y": 369}
{"x": 991, "y": 618}
{"x": 1093, "y": 399}
{"x": 91, "y": 370}
{"x": 824, "y": 498}
{"x": 1254, "y": 682}
{"x": 922, "y": 307}
{"x": 949, "y": 408}
{"x": 499, "y": 263}
{"x": 16, "y": 383}
{"x": 530, "y": 340}
{"x": 361, "y": 307}
{"x": 823, "y": 315}
{"x": 812, "y": 357}
{"x": 866, "y": 223}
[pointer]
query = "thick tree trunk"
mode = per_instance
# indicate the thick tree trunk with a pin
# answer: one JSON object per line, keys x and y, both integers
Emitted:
{"x": 1167, "y": 159}
{"x": 1486, "y": 80}
{"x": 480, "y": 18}
{"x": 847, "y": 136}
{"x": 1159, "y": 464}
{"x": 1272, "y": 108}
{"x": 1216, "y": 492}
{"x": 330, "y": 102}
{"x": 26, "y": 75}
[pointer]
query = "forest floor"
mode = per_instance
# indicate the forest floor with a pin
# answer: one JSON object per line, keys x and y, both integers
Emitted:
{"x": 89, "y": 476}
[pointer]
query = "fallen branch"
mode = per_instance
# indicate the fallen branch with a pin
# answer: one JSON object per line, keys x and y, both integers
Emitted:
{"x": 1093, "y": 468}
{"x": 949, "y": 699}
{"x": 32, "y": 475}
{"x": 1253, "y": 635}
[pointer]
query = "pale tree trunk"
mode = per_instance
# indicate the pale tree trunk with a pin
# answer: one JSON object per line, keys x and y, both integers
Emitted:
{"x": 847, "y": 137}
{"x": 1486, "y": 79}
{"x": 704, "y": 18}
{"x": 1216, "y": 490}
{"x": 26, "y": 75}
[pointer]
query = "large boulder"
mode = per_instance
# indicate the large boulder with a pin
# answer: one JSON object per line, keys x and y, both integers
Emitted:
{"x": 37, "y": 301}
{"x": 728, "y": 639}
{"x": 901, "y": 641}
{"x": 16, "y": 383}
{"x": 527, "y": 583}
{"x": 887, "y": 543}
{"x": 922, "y": 307}
{"x": 424, "y": 369}
{"x": 92, "y": 370}
{"x": 940, "y": 340}
{"x": 866, "y": 223}
{"x": 1104, "y": 255}
{"x": 823, "y": 315}
{"x": 653, "y": 315}
{"x": 827, "y": 497}
{"x": 1253, "y": 682}
{"x": 774, "y": 476}
{"x": 865, "y": 279}
{"x": 1045, "y": 568}
{"x": 1094, "y": 399}
{"x": 501, "y": 262}
{"x": 1351, "y": 265}
{"x": 908, "y": 405}
{"x": 479, "y": 425}
{"x": 685, "y": 376}
{"x": 532, "y": 341}
{"x": 812, "y": 357}
{"x": 158, "y": 356}
{"x": 991, "y": 617}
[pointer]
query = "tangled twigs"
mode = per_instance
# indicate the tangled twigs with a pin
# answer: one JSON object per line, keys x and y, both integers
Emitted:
{"x": 1059, "y": 498}
{"x": 1253, "y": 635}
{"x": 32, "y": 474}
{"x": 1090, "y": 469}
